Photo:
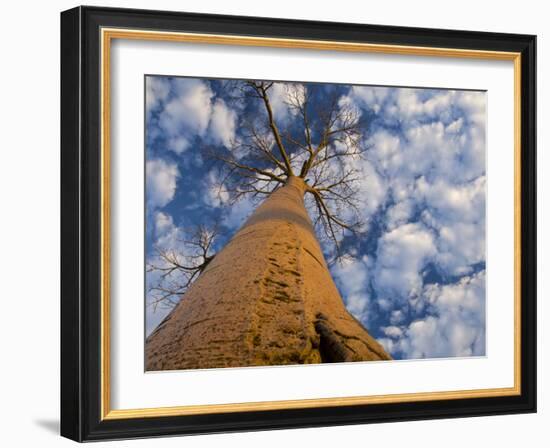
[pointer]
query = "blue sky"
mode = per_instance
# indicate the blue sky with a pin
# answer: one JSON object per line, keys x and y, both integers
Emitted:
{"x": 417, "y": 277}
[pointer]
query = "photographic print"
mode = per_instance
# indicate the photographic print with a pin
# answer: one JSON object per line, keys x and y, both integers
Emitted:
{"x": 304, "y": 223}
{"x": 232, "y": 219}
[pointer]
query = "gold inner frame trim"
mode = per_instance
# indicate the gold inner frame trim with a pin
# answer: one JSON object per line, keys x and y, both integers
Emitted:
{"x": 107, "y": 35}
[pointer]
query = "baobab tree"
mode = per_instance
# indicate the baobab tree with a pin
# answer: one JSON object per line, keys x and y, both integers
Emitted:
{"x": 267, "y": 298}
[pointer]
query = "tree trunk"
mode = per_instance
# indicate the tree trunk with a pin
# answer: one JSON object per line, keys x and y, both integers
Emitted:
{"x": 266, "y": 299}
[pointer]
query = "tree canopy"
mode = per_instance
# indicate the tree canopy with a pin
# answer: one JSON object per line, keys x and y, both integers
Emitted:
{"x": 319, "y": 143}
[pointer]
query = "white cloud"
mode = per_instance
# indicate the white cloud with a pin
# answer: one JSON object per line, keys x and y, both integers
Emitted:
{"x": 372, "y": 97}
{"x": 163, "y": 223}
{"x": 354, "y": 272}
{"x": 460, "y": 246}
{"x": 388, "y": 344}
{"x": 474, "y": 103}
{"x": 157, "y": 90}
{"x": 402, "y": 254}
{"x": 223, "y": 123}
{"x": 428, "y": 148}
{"x": 178, "y": 144}
{"x": 166, "y": 231}
{"x": 168, "y": 235}
{"x": 392, "y": 331}
{"x": 397, "y": 317}
{"x": 278, "y": 98}
{"x": 189, "y": 109}
{"x": 414, "y": 104}
{"x": 386, "y": 152}
{"x": 457, "y": 212}
{"x": 399, "y": 214}
{"x": 456, "y": 201}
{"x": 411, "y": 105}
{"x": 372, "y": 187}
{"x": 353, "y": 280}
{"x": 438, "y": 126}
{"x": 455, "y": 326}
{"x": 161, "y": 182}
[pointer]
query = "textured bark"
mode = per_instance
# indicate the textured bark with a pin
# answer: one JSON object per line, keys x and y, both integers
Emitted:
{"x": 266, "y": 299}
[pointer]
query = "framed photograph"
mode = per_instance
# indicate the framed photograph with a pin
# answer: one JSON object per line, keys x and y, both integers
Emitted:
{"x": 276, "y": 224}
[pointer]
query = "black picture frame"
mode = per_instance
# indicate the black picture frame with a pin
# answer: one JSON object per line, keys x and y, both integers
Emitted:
{"x": 81, "y": 224}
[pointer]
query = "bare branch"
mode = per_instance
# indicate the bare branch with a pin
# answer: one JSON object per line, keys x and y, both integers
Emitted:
{"x": 250, "y": 169}
{"x": 262, "y": 88}
{"x": 340, "y": 127}
{"x": 177, "y": 268}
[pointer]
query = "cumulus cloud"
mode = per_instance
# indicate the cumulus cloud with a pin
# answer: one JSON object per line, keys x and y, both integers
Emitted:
{"x": 161, "y": 177}
{"x": 156, "y": 91}
{"x": 427, "y": 190}
{"x": 352, "y": 275}
{"x": 222, "y": 123}
{"x": 399, "y": 213}
{"x": 371, "y": 186}
{"x": 187, "y": 109}
{"x": 437, "y": 125}
{"x": 454, "y": 326}
{"x": 393, "y": 331}
{"x": 186, "y": 114}
{"x": 457, "y": 214}
{"x": 177, "y": 143}
{"x": 278, "y": 99}
{"x": 402, "y": 253}
{"x": 163, "y": 223}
